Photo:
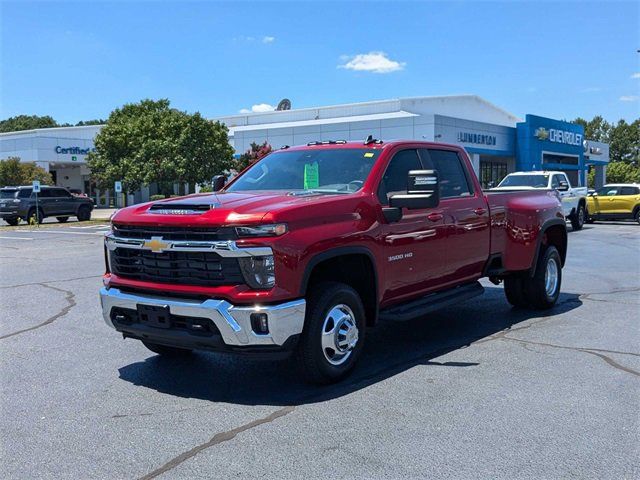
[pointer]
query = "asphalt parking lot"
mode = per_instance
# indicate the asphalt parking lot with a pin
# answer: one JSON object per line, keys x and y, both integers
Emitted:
{"x": 479, "y": 390}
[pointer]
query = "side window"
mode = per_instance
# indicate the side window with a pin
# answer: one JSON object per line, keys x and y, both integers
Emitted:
{"x": 608, "y": 191}
{"x": 453, "y": 177}
{"x": 629, "y": 190}
{"x": 555, "y": 181}
{"x": 395, "y": 176}
{"x": 45, "y": 192}
{"x": 60, "y": 193}
{"x": 24, "y": 193}
{"x": 563, "y": 178}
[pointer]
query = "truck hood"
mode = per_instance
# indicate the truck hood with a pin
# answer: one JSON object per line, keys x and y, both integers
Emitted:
{"x": 225, "y": 208}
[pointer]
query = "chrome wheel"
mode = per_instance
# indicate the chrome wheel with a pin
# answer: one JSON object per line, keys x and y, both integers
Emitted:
{"x": 551, "y": 277}
{"x": 339, "y": 334}
{"x": 581, "y": 216}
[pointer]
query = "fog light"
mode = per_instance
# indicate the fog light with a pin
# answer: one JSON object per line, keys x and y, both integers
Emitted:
{"x": 260, "y": 323}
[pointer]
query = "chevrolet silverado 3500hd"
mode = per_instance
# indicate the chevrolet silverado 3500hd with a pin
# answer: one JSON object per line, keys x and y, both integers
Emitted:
{"x": 311, "y": 245}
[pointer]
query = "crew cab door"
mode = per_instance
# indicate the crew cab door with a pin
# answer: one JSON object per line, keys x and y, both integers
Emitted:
{"x": 65, "y": 203}
{"x": 567, "y": 197}
{"x": 413, "y": 247}
{"x": 604, "y": 201}
{"x": 466, "y": 215}
{"x": 46, "y": 201}
{"x": 626, "y": 199}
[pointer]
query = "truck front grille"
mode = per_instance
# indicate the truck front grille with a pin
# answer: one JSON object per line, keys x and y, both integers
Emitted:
{"x": 187, "y": 268}
{"x": 175, "y": 233}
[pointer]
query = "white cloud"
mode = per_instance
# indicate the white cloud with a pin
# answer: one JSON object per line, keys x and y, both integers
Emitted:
{"x": 267, "y": 39}
{"x": 375, "y": 62}
{"x": 260, "y": 107}
{"x": 636, "y": 75}
{"x": 629, "y": 98}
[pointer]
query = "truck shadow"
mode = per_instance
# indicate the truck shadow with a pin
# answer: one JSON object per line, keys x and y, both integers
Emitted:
{"x": 391, "y": 348}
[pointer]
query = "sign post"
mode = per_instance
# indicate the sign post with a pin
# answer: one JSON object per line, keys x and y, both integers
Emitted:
{"x": 118, "y": 189}
{"x": 35, "y": 185}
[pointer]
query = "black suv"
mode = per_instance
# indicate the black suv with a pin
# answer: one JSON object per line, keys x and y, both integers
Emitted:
{"x": 20, "y": 203}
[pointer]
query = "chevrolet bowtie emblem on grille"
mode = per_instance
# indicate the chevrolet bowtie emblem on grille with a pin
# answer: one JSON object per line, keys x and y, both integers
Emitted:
{"x": 156, "y": 245}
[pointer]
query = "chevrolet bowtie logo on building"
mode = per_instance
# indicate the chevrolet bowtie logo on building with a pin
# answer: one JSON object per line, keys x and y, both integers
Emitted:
{"x": 542, "y": 133}
{"x": 156, "y": 245}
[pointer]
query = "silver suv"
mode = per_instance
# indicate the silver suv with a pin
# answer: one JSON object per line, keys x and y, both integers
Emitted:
{"x": 19, "y": 203}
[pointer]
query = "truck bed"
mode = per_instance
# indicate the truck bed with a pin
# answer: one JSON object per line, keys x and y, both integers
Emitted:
{"x": 517, "y": 217}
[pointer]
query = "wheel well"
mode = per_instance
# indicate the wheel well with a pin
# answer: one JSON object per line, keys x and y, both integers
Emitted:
{"x": 635, "y": 209}
{"x": 355, "y": 270}
{"x": 582, "y": 202}
{"x": 556, "y": 235}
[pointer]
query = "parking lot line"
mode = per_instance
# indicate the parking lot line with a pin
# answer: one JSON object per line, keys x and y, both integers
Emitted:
{"x": 17, "y": 238}
{"x": 66, "y": 233}
{"x": 96, "y": 227}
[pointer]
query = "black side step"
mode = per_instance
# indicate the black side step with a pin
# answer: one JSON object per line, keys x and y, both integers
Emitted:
{"x": 432, "y": 302}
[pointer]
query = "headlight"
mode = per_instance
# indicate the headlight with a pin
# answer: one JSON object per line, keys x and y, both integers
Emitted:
{"x": 272, "y": 230}
{"x": 258, "y": 272}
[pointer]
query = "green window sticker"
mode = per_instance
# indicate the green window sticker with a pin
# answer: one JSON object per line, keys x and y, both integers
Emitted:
{"x": 311, "y": 175}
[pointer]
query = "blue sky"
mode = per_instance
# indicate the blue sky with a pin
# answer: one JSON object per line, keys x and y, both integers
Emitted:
{"x": 78, "y": 61}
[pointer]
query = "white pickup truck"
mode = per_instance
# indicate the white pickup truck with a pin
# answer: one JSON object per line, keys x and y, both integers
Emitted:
{"x": 574, "y": 199}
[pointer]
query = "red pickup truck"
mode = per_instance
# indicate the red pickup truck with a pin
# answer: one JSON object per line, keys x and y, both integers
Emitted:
{"x": 313, "y": 244}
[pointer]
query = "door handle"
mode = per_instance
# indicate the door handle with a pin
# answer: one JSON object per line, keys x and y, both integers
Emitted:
{"x": 435, "y": 217}
{"x": 480, "y": 211}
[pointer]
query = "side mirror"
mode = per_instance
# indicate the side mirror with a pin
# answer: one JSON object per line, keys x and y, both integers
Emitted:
{"x": 423, "y": 191}
{"x": 219, "y": 181}
{"x": 563, "y": 187}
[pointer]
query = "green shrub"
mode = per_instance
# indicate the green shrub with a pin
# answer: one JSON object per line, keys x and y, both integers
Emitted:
{"x": 153, "y": 198}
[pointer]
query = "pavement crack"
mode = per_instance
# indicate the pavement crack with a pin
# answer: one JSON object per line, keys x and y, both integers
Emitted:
{"x": 44, "y": 284}
{"x": 215, "y": 440}
{"x": 598, "y": 352}
{"x": 70, "y": 298}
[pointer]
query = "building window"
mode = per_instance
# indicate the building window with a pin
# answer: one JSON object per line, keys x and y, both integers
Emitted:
{"x": 492, "y": 173}
{"x": 559, "y": 159}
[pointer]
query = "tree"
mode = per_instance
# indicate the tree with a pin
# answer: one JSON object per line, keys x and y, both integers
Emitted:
{"x": 149, "y": 142}
{"x": 84, "y": 123}
{"x": 597, "y": 129}
{"x": 621, "y": 172}
{"x": 255, "y": 153}
{"x": 13, "y": 172}
{"x": 625, "y": 142}
{"x": 26, "y": 122}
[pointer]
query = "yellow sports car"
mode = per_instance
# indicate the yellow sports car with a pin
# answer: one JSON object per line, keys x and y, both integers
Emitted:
{"x": 614, "y": 202}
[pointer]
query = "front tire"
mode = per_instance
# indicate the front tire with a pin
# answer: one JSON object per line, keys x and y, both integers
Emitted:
{"x": 577, "y": 219}
{"x": 12, "y": 221}
{"x": 333, "y": 334}
{"x": 637, "y": 216}
{"x": 166, "y": 351}
{"x": 84, "y": 214}
{"x": 543, "y": 289}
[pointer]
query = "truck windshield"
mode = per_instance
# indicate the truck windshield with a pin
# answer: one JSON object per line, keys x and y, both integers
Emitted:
{"x": 8, "y": 193}
{"x": 321, "y": 170}
{"x": 535, "y": 181}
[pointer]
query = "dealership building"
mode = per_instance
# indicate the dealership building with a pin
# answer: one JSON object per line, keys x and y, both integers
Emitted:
{"x": 497, "y": 141}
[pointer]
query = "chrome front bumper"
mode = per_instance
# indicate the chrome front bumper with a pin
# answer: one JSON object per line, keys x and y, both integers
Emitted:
{"x": 233, "y": 322}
